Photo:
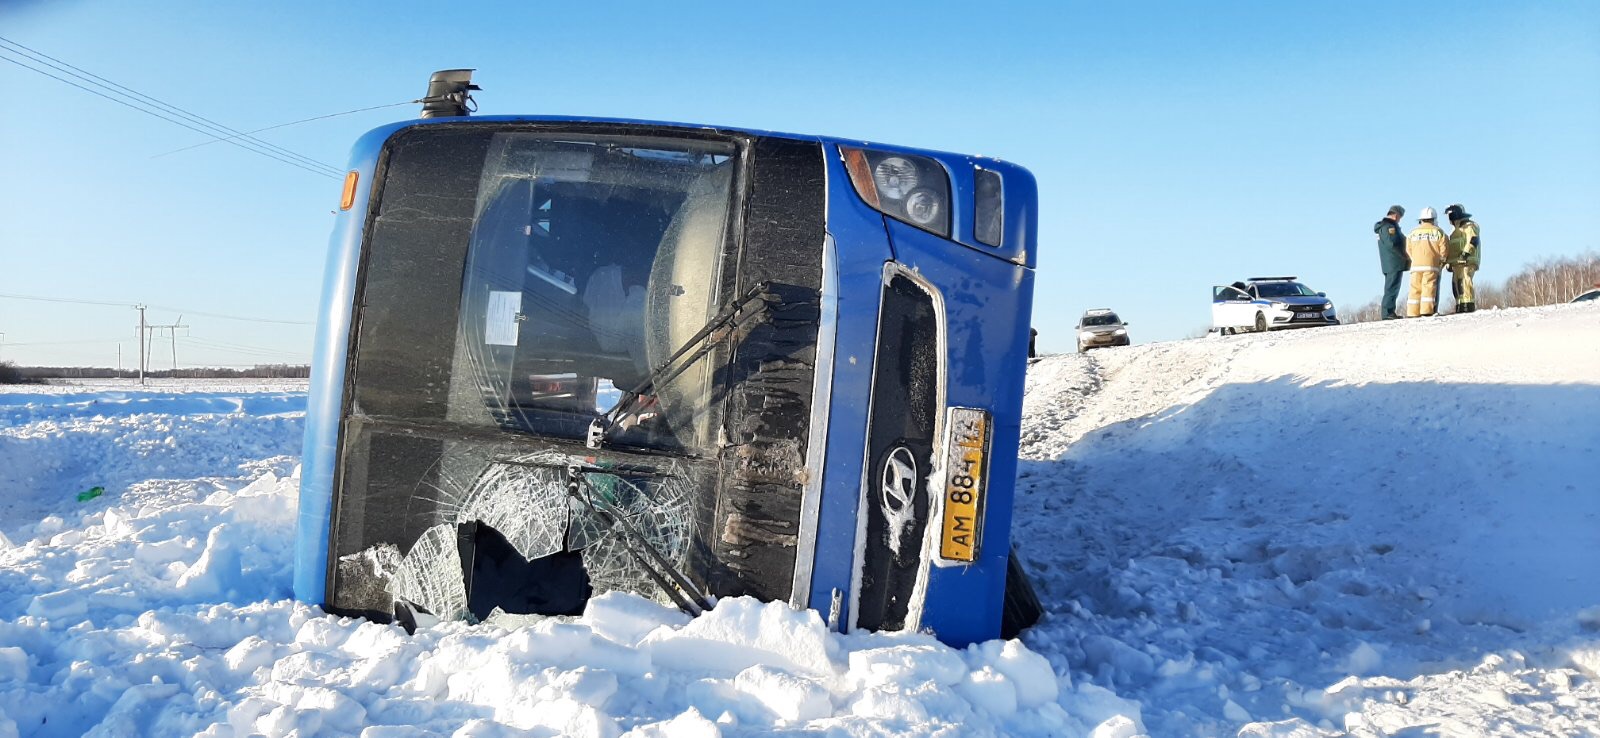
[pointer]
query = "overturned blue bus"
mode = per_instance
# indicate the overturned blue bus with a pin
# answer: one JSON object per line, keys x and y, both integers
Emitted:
{"x": 561, "y": 356}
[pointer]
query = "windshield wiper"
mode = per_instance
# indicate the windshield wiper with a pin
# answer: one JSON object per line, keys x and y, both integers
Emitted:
{"x": 758, "y": 301}
{"x": 679, "y": 589}
{"x": 683, "y": 593}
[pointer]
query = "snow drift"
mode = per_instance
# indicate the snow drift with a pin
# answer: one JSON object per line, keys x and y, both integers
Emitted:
{"x": 1365, "y": 530}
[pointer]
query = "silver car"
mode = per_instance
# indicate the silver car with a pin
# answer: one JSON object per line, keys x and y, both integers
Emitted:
{"x": 1101, "y": 327}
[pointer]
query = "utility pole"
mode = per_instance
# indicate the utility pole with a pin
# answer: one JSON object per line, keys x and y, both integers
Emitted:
{"x": 172, "y": 332}
{"x": 141, "y": 309}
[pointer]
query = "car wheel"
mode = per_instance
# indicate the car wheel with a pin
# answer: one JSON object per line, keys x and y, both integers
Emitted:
{"x": 1261, "y": 323}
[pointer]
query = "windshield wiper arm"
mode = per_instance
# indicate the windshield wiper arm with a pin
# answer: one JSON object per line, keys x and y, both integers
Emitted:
{"x": 679, "y": 589}
{"x": 757, "y": 301}
{"x": 683, "y": 593}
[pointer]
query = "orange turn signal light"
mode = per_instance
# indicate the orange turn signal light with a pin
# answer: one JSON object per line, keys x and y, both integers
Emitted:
{"x": 348, "y": 199}
{"x": 855, "y": 162}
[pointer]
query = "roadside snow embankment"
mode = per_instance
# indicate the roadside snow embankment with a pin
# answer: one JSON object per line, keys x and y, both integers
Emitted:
{"x": 1354, "y": 529}
{"x": 161, "y": 608}
{"x": 1369, "y": 530}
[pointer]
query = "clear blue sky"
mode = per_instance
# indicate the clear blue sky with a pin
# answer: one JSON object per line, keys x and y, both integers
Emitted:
{"x": 1177, "y": 144}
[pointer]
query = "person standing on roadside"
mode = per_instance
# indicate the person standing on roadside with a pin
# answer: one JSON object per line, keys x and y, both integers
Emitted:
{"x": 1465, "y": 253}
{"x": 1426, "y": 245}
{"x": 1391, "y": 258}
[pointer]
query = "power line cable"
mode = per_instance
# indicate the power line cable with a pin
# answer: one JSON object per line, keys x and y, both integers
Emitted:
{"x": 239, "y": 347}
{"x": 222, "y": 316}
{"x": 251, "y": 366}
{"x": 331, "y": 173}
{"x": 125, "y": 91}
{"x": 66, "y": 343}
{"x": 130, "y": 303}
{"x": 168, "y": 119}
{"x": 240, "y": 350}
{"x": 285, "y": 125}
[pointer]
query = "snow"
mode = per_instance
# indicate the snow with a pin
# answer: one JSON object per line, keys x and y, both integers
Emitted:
{"x": 1374, "y": 530}
{"x": 1269, "y": 527}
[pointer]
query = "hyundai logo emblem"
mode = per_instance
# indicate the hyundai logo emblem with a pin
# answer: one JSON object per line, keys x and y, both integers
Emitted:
{"x": 899, "y": 479}
{"x": 898, "y": 487}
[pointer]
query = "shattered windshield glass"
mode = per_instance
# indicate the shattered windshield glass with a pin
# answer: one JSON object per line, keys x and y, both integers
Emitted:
{"x": 500, "y": 528}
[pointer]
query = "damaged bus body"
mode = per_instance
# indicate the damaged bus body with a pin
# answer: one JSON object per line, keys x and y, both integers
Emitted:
{"x": 562, "y": 356}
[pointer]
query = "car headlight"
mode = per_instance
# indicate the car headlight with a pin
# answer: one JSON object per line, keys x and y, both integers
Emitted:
{"x": 1327, "y": 306}
{"x": 1120, "y": 332}
{"x": 1086, "y": 334}
{"x": 1280, "y": 306}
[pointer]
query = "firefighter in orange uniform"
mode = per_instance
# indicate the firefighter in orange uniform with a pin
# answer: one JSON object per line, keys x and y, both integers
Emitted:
{"x": 1427, "y": 246}
{"x": 1466, "y": 253}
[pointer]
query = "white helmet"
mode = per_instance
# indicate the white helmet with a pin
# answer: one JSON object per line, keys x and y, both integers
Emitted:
{"x": 1426, "y": 214}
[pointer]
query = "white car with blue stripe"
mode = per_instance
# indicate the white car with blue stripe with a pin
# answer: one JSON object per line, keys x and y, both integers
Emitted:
{"x": 1268, "y": 303}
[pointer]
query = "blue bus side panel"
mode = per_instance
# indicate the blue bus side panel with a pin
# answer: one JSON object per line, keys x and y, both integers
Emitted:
{"x": 988, "y": 304}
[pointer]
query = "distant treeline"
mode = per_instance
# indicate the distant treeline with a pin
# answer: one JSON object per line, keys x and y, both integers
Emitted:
{"x": 13, "y": 374}
{"x": 1546, "y": 282}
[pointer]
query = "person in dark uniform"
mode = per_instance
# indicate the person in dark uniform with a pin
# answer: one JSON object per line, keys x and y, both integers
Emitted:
{"x": 1392, "y": 258}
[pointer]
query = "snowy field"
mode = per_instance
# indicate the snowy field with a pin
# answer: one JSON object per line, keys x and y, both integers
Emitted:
{"x": 1376, "y": 530}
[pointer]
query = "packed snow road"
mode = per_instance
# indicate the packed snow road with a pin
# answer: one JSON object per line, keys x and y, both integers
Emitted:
{"x": 1373, "y": 530}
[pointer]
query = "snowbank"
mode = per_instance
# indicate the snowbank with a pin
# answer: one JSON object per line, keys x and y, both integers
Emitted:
{"x": 1368, "y": 530}
{"x": 162, "y": 608}
{"x": 1326, "y": 530}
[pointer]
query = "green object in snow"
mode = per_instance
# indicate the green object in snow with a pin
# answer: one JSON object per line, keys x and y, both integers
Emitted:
{"x": 91, "y": 493}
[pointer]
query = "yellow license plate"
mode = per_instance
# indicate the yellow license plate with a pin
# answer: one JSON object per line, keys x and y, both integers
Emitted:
{"x": 965, "y": 479}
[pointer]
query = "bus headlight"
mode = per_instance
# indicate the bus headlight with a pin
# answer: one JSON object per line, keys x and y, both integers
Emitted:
{"x": 923, "y": 208}
{"x": 909, "y": 188}
{"x": 895, "y": 176}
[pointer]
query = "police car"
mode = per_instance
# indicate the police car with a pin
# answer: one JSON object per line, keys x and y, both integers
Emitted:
{"x": 1101, "y": 327}
{"x": 1268, "y": 303}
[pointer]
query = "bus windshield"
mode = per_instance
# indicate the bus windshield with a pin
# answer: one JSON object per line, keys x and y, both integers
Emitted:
{"x": 574, "y": 264}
